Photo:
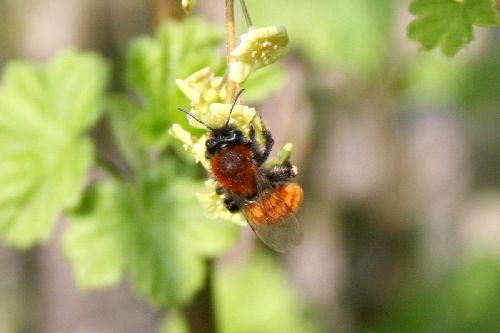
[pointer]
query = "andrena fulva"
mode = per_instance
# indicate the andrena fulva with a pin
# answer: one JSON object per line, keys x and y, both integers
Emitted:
{"x": 266, "y": 196}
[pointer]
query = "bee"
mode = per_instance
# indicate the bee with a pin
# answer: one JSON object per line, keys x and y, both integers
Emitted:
{"x": 266, "y": 196}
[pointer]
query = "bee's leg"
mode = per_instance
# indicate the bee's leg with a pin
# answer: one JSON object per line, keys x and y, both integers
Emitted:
{"x": 269, "y": 143}
{"x": 231, "y": 205}
{"x": 251, "y": 133}
{"x": 219, "y": 190}
{"x": 261, "y": 156}
{"x": 281, "y": 172}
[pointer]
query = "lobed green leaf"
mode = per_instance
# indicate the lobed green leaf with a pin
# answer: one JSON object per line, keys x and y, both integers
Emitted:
{"x": 449, "y": 24}
{"x": 106, "y": 228}
{"x": 153, "y": 64}
{"x": 153, "y": 229}
{"x": 43, "y": 114}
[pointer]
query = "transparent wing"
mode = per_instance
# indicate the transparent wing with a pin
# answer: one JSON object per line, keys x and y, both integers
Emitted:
{"x": 271, "y": 216}
{"x": 278, "y": 236}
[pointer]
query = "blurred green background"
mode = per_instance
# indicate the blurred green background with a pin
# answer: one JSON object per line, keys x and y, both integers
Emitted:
{"x": 398, "y": 152}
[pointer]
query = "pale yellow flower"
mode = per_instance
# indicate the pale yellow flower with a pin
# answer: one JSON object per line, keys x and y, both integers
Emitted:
{"x": 259, "y": 47}
{"x": 201, "y": 88}
{"x": 214, "y": 205}
{"x": 196, "y": 145}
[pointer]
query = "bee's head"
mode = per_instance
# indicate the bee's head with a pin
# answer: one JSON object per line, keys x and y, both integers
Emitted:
{"x": 223, "y": 137}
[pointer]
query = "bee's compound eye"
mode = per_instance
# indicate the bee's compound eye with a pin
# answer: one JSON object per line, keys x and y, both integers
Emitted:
{"x": 234, "y": 136}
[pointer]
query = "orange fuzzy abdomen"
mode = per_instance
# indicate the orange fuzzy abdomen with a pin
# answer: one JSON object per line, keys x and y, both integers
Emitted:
{"x": 275, "y": 206}
{"x": 234, "y": 170}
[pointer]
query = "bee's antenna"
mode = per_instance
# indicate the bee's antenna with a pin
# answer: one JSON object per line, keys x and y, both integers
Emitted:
{"x": 232, "y": 107}
{"x": 186, "y": 111}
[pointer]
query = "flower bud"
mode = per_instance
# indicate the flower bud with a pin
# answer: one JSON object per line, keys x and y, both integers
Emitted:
{"x": 259, "y": 47}
{"x": 188, "y": 5}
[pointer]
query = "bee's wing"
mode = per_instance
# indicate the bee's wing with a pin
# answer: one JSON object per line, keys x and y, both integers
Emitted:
{"x": 271, "y": 218}
{"x": 279, "y": 236}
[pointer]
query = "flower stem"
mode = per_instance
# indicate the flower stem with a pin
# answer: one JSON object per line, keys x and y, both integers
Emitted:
{"x": 231, "y": 44}
{"x": 110, "y": 167}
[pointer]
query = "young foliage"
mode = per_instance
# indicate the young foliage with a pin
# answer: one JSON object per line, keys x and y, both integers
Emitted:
{"x": 43, "y": 113}
{"x": 126, "y": 134}
{"x": 153, "y": 64}
{"x": 96, "y": 241}
{"x": 175, "y": 52}
{"x": 449, "y": 24}
{"x": 154, "y": 229}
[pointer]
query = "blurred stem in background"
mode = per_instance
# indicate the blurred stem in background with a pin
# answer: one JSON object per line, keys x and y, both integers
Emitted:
{"x": 165, "y": 9}
{"x": 201, "y": 313}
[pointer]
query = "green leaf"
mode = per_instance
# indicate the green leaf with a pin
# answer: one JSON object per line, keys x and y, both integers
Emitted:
{"x": 257, "y": 297}
{"x": 43, "y": 114}
{"x": 449, "y": 23}
{"x": 153, "y": 64}
{"x": 96, "y": 241}
{"x": 154, "y": 229}
{"x": 173, "y": 238}
{"x": 206, "y": 236}
{"x": 125, "y": 132}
